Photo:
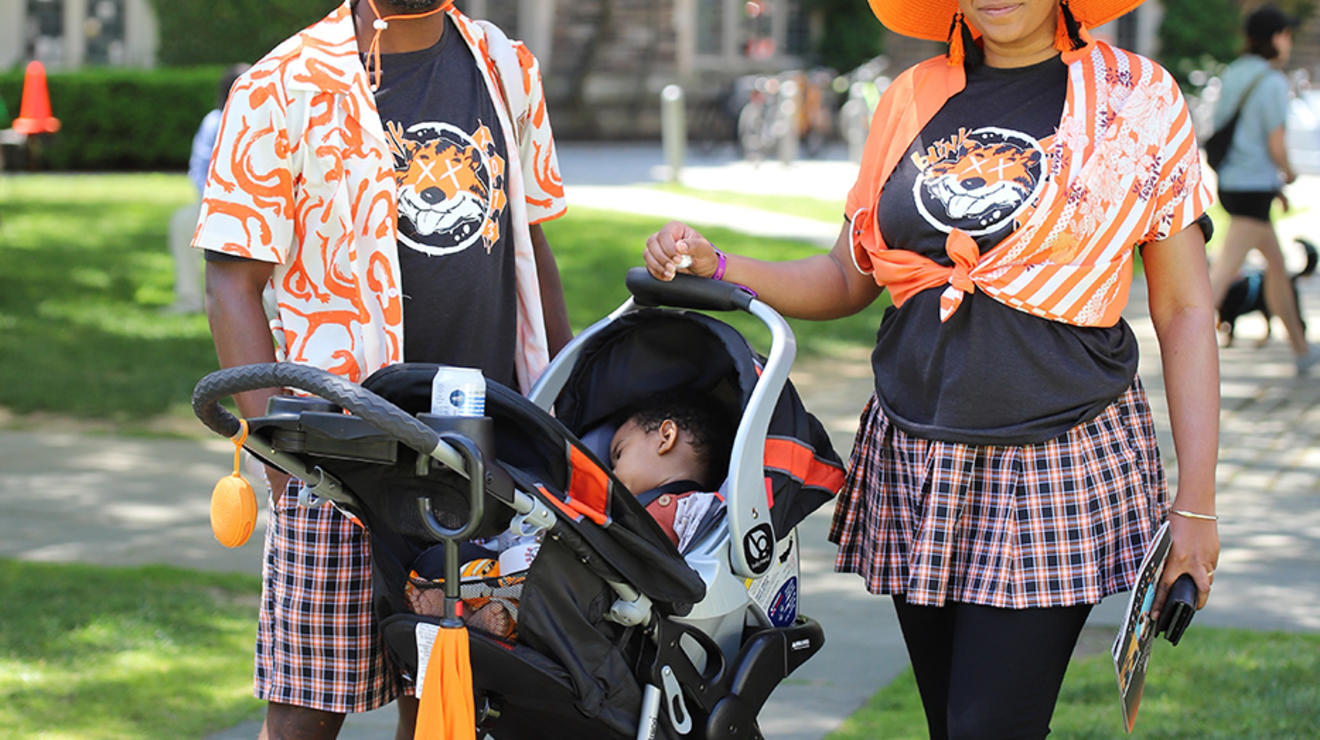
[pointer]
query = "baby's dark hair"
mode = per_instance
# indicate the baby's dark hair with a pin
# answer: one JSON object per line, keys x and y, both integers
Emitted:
{"x": 702, "y": 419}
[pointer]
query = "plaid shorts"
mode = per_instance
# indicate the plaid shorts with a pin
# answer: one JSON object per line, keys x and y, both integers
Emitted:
{"x": 1056, "y": 523}
{"x": 317, "y": 642}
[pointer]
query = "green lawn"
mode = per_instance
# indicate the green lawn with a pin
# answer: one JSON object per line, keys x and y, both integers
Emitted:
{"x": 820, "y": 209}
{"x": 88, "y": 276}
{"x": 158, "y": 652}
{"x": 1216, "y": 683}
{"x": 153, "y": 652}
{"x": 592, "y": 245}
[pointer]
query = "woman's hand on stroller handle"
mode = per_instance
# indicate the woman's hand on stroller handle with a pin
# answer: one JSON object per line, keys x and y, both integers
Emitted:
{"x": 686, "y": 291}
{"x": 679, "y": 249}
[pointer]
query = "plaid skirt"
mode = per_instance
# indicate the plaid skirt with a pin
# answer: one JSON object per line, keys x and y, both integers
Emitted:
{"x": 1056, "y": 523}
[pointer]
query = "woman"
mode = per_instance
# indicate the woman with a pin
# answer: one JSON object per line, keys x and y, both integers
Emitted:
{"x": 1005, "y": 476}
{"x": 1256, "y": 168}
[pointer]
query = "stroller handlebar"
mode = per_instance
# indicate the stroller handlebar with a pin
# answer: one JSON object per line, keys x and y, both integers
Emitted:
{"x": 380, "y": 413}
{"x": 686, "y": 291}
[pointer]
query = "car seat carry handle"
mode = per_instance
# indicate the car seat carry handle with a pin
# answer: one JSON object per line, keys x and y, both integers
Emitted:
{"x": 752, "y": 535}
{"x": 370, "y": 407}
{"x": 686, "y": 291}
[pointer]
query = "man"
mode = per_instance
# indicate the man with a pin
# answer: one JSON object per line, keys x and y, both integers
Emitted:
{"x": 383, "y": 177}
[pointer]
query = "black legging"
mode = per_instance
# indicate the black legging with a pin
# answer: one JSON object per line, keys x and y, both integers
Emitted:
{"x": 987, "y": 673}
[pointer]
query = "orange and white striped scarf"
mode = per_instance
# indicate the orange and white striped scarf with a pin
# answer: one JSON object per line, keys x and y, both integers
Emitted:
{"x": 1124, "y": 169}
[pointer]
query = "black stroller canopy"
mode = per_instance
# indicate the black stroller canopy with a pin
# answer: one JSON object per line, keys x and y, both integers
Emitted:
{"x": 649, "y": 352}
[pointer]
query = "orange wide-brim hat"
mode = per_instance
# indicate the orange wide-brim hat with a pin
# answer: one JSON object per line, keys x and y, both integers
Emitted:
{"x": 931, "y": 19}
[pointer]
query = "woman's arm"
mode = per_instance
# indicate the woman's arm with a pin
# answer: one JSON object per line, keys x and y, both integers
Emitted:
{"x": 1278, "y": 148}
{"x": 825, "y": 286}
{"x": 1184, "y": 317}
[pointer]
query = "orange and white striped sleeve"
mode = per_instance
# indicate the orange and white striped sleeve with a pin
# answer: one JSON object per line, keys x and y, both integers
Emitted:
{"x": 1182, "y": 194}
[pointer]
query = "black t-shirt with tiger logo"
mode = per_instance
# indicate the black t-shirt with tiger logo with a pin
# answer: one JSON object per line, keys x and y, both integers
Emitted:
{"x": 456, "y": 253}
{"x": 980, "y": 161}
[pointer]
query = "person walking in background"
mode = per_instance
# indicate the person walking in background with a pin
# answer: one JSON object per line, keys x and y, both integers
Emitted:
{"x": 1256, "y": 168}
{"x": 203, "y": 143}
{"x": 385, "y": 173}
{"x": 1006, "y": 475}
{"x": 187, "y": 263}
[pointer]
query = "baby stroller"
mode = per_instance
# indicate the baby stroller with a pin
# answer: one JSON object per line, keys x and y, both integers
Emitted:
{"x": 619, "y": 635}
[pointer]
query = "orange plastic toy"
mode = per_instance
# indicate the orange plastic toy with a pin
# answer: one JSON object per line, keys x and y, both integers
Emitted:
{"x": 233, "y": 503}
{"x": 34, "y": 117}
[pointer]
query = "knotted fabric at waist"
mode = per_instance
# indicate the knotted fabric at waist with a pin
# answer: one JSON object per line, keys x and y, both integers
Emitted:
{"x": 905, "y": 273}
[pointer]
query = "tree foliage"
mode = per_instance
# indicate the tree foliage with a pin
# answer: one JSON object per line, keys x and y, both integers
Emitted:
{"x": 1199, "y": 34}
{"x": 1207, "y": 34}
{"x": 230, "y": 31}
{"x": 850, "y": 33}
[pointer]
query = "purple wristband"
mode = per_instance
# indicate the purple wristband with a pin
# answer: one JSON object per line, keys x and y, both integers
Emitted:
{"x": 719, "y": 269}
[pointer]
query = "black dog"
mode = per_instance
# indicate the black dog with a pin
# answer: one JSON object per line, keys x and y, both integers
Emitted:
{"x": 1247, "y": 294}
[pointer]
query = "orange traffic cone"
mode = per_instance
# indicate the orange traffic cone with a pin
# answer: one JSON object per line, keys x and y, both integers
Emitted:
{"x": 34, "y": 116}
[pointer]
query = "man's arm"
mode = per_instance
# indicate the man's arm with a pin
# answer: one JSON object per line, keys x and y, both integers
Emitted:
{"x": 241, "y": 332}
{"x": 557, "y": 329}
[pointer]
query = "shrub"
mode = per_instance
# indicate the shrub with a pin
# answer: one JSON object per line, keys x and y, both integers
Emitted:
{"x": 236, "y": 30}
{"x": 122, "y": 119}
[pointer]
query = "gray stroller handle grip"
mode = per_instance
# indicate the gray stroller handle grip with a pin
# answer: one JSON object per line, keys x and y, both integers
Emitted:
{"x": 686, "y": 291}
{"x": 375, "y": 410}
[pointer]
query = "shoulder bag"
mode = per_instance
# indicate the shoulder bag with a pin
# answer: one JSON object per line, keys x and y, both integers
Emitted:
{"x": 1216, "y": 147}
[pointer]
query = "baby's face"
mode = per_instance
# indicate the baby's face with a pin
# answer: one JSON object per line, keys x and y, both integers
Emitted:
{"x": 635, "y": 458}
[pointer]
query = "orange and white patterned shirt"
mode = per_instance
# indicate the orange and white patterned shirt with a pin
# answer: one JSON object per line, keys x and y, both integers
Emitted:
{"x": 303, "y": 177}
{"x": 1124, "y": 170}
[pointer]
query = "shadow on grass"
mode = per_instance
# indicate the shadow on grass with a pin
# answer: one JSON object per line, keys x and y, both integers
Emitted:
{"x": 87, "y": 278}
{"x": 124, "y": 652}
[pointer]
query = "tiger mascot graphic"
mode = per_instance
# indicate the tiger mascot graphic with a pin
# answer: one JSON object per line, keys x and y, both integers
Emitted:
{"x": 978, "y": 181}
{"x": 450, "y": 187}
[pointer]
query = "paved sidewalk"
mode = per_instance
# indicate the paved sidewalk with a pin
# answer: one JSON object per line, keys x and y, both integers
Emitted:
{"x": 69, "y": 496}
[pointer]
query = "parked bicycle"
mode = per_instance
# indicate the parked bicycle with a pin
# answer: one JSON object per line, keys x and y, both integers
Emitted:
{"x": 794, "y": 108}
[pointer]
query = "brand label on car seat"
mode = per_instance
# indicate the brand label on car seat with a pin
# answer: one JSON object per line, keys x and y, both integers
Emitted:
{"x": 776, "y": 592}
{"x": 759, "y": 547}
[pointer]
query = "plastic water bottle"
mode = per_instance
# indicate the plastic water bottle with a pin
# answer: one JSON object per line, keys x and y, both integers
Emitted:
{"x": 458, "y": 391}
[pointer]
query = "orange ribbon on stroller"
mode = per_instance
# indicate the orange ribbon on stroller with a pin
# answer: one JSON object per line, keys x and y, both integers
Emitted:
{"x": 447, "y": 710}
